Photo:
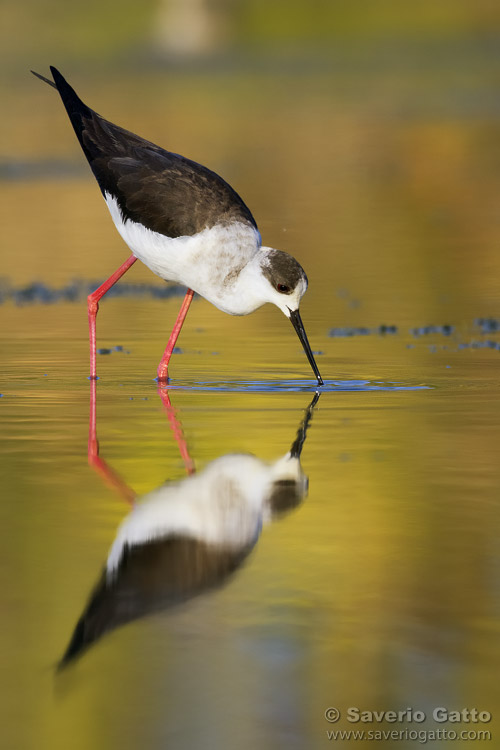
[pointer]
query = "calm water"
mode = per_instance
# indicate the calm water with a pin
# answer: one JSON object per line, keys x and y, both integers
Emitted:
{"x": 377, "y": 588}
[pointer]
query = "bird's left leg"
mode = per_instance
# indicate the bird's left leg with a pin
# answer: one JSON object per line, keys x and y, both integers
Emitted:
{"x": 93, "y": 307}
{"x": 163, "y": 366}
{"x": 96, "y": 462}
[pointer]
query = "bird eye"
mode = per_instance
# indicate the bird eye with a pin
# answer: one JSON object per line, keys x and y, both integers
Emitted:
{"x": 283, "y": 288}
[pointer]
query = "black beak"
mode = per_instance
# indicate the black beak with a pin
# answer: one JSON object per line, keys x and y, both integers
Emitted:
{"x": 297, "y": 324}
{"x": 299, "y": 441}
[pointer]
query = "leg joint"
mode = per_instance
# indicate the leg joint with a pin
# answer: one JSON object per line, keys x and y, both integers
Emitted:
{"x": 92, "y": 305}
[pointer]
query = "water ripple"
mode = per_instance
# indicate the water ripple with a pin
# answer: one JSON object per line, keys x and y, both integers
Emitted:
{"x": 270, "y": 386}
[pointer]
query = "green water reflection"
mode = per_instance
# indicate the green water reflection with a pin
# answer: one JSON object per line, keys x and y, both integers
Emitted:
{"x": 381, "y": 589}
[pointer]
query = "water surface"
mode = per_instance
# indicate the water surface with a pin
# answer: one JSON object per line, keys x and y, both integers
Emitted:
{"x": 379, "y": 589}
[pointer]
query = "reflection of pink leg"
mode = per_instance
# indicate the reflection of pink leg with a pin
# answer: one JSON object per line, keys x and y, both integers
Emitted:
{"x": 98, "y": 464}
{"x": 177, "y": 430}
{"x": 93, "y": 307}
{"x": 163, "y": 366}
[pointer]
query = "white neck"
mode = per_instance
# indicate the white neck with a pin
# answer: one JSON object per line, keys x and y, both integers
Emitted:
{"x": 245, "y": 291}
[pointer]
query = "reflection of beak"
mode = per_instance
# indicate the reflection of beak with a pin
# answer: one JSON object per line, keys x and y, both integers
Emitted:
{"x": 299, "y": 441}
{"x": 297, "y": 324}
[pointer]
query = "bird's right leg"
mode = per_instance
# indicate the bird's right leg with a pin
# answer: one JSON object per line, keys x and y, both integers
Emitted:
{"x": 93, "y": 307}
{"x": 163, "y": 366}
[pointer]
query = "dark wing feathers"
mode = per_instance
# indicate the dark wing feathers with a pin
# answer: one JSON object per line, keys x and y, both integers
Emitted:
{"x": 164, "y": 191}
{"x": 171, "y": 194}
{"x": 152, "y": 577}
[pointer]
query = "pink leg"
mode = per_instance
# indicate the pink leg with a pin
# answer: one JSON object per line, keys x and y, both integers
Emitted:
{"x": 177, "y": 430}
{"x": 98, "y": 464}
{"x": 163, "y": 366}
{"x": 93, "y": 307}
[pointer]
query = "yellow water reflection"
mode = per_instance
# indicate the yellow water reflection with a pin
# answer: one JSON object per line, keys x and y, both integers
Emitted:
{"x": 381, "y": 590}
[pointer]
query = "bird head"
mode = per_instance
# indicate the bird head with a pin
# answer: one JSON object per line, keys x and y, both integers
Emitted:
{"x": 285, "y": 277}
{"x": 285, "y": 283}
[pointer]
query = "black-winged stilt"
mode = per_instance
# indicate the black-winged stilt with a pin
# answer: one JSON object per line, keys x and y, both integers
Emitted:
{"x": 186, "y": 537}
{"x": 185, "y": 223}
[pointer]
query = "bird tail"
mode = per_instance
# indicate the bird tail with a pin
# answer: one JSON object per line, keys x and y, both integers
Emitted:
{"x": 76, "y": 109}
{"x": 75, "y": 647}
{"x": 42, "y": 78}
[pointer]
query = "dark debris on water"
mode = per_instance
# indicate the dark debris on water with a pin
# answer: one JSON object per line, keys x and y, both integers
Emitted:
{"x": 117, "y": 348}
{"x": 444, "y": 330}
{"x": 382, "y": 330}
{"x": 488, "y": 325}
{"x": 480, "y": 345}
{"x": 39, "y": 293}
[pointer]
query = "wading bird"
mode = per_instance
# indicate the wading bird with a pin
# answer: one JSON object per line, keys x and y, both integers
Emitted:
{"x": 185, "y": 223}
{"x": 188, "y": 537}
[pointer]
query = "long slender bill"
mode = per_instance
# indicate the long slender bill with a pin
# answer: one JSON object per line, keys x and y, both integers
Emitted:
{"x": 299, "y": 327}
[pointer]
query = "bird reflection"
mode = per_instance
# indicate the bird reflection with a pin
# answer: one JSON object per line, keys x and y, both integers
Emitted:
{"x": 186, "y": 537}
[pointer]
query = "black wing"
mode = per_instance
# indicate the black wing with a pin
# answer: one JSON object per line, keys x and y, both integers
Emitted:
{"x": 164, "y": 191}
{"x": 152, "y": 577}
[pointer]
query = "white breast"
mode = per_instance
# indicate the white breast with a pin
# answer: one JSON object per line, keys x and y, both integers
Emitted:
{"x": 206, "y": 262}
{"x": 222, "y": 505}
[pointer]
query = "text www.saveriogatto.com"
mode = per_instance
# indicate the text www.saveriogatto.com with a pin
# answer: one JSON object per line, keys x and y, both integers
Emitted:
{"x": 419, "y": 734}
